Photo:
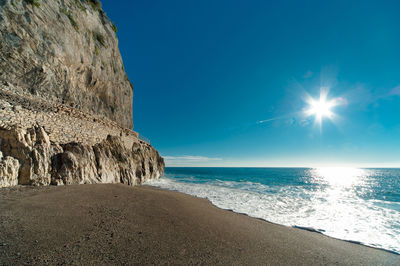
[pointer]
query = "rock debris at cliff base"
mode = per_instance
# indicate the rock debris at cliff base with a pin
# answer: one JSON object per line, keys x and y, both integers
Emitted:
{"x": 43, "y": 144}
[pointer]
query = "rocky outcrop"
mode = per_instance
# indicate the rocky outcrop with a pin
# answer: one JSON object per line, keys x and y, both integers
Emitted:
{"x": 8, "y": 171}
{"x": 65, "y": 51}
{"x": 33, "y": 160}
{"x": 33, "y": 151}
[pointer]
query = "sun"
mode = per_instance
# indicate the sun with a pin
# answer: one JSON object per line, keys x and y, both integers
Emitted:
{"x": 320, "y": 108}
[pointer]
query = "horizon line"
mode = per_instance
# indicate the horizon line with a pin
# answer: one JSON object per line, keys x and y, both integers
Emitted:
{"x": 202, "y": 166}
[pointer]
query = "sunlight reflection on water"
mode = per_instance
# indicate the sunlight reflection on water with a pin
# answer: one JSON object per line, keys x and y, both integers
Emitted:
{"x": 339, "y": 176}
{"x": 338, "y": 208}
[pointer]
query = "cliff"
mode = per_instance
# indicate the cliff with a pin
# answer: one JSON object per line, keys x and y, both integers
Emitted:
{"x": 65, "y": 100}
{"x": 66, "y": 51}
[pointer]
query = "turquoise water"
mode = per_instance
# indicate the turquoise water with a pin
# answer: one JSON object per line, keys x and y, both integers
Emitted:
{"x": 361, "y": 205}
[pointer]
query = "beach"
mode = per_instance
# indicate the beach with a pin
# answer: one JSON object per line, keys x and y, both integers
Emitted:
{"x": 118, "y": 224}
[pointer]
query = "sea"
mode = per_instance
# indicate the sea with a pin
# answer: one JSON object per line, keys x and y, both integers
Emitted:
{"x": 358, "y": 205}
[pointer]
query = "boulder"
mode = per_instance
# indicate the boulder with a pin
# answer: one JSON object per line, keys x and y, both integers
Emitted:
{"x": 9, "y": 168}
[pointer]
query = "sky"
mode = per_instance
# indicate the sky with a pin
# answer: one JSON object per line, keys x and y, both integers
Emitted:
{"x": 231, "y": 83}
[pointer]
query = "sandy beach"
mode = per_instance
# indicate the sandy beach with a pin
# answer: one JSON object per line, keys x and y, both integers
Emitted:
{"x": 117, "y": 224}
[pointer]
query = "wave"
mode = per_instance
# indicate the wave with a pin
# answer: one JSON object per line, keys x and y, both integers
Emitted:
{"x": 332, "y": 211}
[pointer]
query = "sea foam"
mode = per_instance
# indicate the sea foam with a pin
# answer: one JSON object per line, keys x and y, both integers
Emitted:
{"x": 329, "y": 207}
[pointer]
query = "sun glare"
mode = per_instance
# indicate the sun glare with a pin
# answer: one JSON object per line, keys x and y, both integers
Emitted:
{"x": 339, "y": 176}
{"x": 320, "y": 108}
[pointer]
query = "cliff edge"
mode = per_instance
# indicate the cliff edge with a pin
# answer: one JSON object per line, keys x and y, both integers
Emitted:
{"x": 65, "y": 100}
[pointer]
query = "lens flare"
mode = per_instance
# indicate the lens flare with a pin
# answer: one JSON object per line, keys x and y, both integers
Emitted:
{"x": 321, "y": 107}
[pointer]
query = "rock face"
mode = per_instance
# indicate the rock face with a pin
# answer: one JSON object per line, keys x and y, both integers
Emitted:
{"x": 65, "y": 100}
{"x": 66, "y": 51}
{"x": 8, "y": 171}
{"x": 106, "y": 162}
{"x": 34, "y": 160}
{"x": 33, "y": 151}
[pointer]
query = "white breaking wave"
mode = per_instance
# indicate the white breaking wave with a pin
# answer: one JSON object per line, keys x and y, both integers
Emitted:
{"x": 334, "y": 211}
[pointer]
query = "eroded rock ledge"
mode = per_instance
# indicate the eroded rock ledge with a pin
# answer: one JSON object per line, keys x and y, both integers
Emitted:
{"x": 31, "y": 159}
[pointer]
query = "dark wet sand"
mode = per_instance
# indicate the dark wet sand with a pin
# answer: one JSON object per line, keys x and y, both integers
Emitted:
{"x": 117, "y": 224}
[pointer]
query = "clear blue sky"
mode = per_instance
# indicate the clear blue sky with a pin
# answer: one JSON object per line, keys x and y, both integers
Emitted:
{"x": 205, "y": 74}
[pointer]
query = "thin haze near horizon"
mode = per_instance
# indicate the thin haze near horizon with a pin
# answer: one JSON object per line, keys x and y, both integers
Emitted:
{"x": 238, "y": 83}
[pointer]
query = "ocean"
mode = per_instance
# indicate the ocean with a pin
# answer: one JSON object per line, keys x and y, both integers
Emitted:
{"x": 360, "y": 205}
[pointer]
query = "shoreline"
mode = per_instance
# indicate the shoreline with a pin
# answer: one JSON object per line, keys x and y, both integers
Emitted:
{"x": 118, "y": 224}
{"x": 309, "y": 229}
{"x": 315, "y": 205}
